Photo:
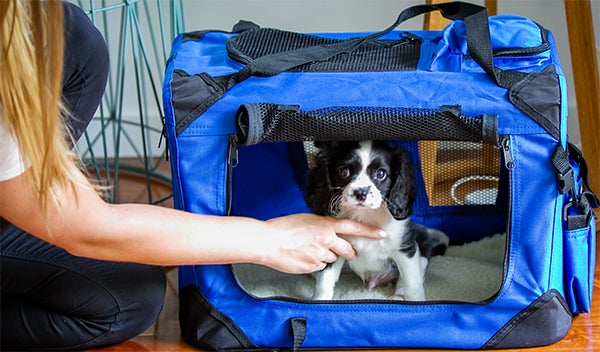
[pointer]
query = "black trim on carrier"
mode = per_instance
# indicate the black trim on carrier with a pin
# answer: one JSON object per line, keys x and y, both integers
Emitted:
{"x": 204, "y": 326}
{"x": 192, "y": 95}
{"x": 546, "y": 321}
{"x": 538, "y": 95}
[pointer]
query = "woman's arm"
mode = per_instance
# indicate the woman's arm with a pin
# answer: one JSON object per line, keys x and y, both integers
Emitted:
{"x": 88, "y": 226}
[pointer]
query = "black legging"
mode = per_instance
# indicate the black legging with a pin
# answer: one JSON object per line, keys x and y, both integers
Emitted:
{"x": 51, "y": 299}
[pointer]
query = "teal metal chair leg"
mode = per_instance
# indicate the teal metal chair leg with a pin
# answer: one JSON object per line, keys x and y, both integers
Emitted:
{"x": 125, "y": 134}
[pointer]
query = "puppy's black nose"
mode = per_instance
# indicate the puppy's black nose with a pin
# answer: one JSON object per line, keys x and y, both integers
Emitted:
{"x": 361, "y": 193}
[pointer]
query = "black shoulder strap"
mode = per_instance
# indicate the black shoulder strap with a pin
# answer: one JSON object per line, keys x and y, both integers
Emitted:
{"x": 478, "y": 42}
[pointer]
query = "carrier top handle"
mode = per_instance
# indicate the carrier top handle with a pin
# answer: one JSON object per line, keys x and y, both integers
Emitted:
{"x": 478, "y": 43}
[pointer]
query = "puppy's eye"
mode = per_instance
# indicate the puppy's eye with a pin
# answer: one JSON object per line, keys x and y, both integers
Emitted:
{"x": 380, "y": 174}
{"x": 344, "y": 172}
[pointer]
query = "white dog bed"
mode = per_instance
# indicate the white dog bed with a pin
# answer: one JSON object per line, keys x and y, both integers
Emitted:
{"x": 469, "y": 273}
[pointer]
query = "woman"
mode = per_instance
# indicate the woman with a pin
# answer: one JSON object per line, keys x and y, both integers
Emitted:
{"x": 78, "y": 272}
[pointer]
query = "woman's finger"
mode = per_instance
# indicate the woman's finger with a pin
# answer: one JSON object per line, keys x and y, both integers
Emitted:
{"x": 354, "y": 228}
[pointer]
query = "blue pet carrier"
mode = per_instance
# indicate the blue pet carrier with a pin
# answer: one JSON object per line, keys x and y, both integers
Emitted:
{"x": 480, "y": 106}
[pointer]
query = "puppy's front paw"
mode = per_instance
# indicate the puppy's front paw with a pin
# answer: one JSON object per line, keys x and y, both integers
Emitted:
{"x": 396, "y": 297}
{"x": 416, "y": 294}
{"x": 322, "y": 296}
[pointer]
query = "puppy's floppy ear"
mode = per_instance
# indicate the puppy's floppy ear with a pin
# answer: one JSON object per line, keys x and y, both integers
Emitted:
{"x": 318, "y": 190}
{"x": 327, "y": 148}
{"x": 403, "y": 191}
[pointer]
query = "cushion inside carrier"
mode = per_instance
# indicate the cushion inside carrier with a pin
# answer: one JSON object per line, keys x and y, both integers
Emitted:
{"x": 470, "y": 272}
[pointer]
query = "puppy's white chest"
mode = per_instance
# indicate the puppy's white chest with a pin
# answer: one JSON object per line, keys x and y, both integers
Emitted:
{"x": 371, "y": 255}
{"x": 376, "y": 255}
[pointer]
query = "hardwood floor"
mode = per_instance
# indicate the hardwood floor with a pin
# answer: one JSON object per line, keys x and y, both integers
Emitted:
{"x": 164, "y": 334}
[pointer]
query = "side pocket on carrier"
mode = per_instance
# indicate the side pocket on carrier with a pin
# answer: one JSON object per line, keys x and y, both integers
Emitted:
{"x": 579, "y": 228}
{"x": 580, "y": 258}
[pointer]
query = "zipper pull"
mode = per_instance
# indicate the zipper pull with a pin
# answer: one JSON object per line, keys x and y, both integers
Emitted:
{"x": 407, "y": 38}
{"x": 232, "y": 158}
{"x": 163, "y": 136}
{"x": 504, "y": 144}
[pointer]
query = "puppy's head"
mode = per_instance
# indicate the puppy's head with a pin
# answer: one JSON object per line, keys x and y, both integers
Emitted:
{"x": 354, "y": 176}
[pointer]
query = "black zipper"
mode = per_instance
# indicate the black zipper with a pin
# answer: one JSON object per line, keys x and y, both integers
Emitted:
{"x": 232, "y": 161}
{"x": 504, "y": 143}
{"x": 509, "y": 163}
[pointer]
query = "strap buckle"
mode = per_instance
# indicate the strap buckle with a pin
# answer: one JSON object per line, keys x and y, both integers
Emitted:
{"x": 566, "y": 181}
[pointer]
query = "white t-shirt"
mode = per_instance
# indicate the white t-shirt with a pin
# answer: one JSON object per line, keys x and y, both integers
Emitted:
{"x": 11, "y": 163}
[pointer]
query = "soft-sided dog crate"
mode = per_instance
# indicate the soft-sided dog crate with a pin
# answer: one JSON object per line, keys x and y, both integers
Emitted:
{"x": 484, "y": 119}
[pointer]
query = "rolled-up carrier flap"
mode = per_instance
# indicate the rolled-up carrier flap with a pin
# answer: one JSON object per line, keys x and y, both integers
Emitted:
{"x": 260, "y": 123}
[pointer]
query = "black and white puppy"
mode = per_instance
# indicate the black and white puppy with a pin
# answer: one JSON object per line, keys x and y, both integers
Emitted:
{"x": 373, "y": 182}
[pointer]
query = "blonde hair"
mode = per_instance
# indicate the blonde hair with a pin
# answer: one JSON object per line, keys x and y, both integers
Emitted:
{"x": 31, "y": 67}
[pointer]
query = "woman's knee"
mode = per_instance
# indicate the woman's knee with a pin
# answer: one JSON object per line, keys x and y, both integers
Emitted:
{"x": 73, "y": 303}
{"x": 139, "y": 304}
{"x": 139, "y": 293}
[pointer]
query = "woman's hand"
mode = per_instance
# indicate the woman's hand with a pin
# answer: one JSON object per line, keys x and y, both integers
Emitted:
{"x": 304, "y": 243}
